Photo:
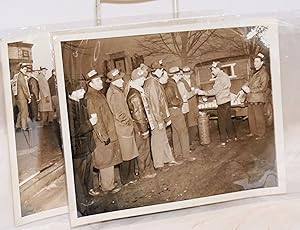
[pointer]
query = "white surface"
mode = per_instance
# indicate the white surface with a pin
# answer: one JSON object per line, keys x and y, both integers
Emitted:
{"x": 276, "y": 212}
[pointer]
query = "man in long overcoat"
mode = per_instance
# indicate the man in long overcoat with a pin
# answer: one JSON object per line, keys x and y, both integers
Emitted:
{"x": 107, "y": 153}
{"x": 124, "y": 125}
{"x": 22, "y": 94}
{"x": 33, "y": 85}
{"x": 45, "y": 104}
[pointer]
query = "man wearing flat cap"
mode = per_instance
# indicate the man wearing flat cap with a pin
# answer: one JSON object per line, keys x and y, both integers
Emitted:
{"x": 221, "y": 90}
{"x": 142, "y": 119}
{"x": 45, "y": 103}
{"x": 107, "y": 153}
{"x": 22, "y": 95}
{"x": 258, "y": 86}
{"x": 124, "y": 125}
{"x": 160, "y": 147}
{"x": 180, "y": 135}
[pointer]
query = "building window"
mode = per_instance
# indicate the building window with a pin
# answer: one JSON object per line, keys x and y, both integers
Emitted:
{"x": 25, "y": 53}
{"x": 228, "y": 69}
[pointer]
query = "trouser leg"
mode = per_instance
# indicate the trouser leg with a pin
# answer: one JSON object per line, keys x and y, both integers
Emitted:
{"x": 229, "y": 123}
{"x": 251, "y": 119}
{"x": 144, "y": 159}
{"x": 222, "y": 122}
{"x": 260, "y": 119}
{"x": 180, "y": 134}
{"x": 107, "y": 178}
{"x": 127, "y": 171}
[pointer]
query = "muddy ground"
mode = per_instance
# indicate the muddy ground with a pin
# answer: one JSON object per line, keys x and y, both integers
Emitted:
{"x": 215, "y": 171}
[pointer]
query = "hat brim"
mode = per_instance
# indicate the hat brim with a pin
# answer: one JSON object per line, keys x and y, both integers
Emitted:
{"x": 121, "y": 75}
{"x": 188, "y": 72}
{"x": 96, "y": 76}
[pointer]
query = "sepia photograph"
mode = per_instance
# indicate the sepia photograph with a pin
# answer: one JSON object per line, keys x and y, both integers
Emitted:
{"x": 158, "y": 118}
{"x": 37, "y": 161}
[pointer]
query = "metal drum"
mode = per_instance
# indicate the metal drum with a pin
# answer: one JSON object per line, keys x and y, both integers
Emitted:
{"x": 203, "y": 126}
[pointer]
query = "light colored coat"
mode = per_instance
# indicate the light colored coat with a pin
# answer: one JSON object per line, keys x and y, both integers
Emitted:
{"x": 221, "y": 88}
{"x": 45, "y": 104}
{"x": 123, "y": 122}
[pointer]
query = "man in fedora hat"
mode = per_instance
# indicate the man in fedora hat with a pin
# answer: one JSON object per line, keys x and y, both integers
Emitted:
{"x": 107, "y": 153}
{"x": 22, "y": 95}
{"x": 45, "y": 103}
{"x": 142, "y": 117}
{"x": 34, "y": 89}
{"x": 160, "y": 147}
{"x": 82, "y": 144}
{"x": 221, "y": 90}
{"x": 258, "y": 86}
{"x": 180, "y": 135}
{"x": 124, "y": 125}
{"x": 188, "y": 92}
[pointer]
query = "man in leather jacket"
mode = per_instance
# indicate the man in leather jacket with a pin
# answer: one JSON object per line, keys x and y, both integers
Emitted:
{"x": 139, "y": 110}
{"x": 258, "y": 85}
{"x": 180, "y": 133}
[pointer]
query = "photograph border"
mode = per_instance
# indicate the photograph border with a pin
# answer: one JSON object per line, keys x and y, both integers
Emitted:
{"x": 19, "y": 219}
{"x": 165, "y": 27}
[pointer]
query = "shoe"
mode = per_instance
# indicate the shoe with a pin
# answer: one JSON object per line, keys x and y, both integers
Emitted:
{"x": 172, "y": 163}
{"x": 223, "y": 144}
{"x": 115, "y": 190}
{"x": 152, "y": 175}
{"x": 130, "y": 182}
{"x": 234, "y": 139}
{"x": 93, "y": 193}
{"x": 190, "y": 159}
{"x": 250, "y": 135}
{"x": 259, "y": 138}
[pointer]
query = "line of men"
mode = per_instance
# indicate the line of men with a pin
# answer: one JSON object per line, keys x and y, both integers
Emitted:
{"x": 34, "y": 95}
{"x": 128, "y": 125}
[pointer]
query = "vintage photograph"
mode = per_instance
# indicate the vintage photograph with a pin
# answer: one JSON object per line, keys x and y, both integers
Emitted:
{"x": 168, "y": 118}
{"x": 38, "y": 173}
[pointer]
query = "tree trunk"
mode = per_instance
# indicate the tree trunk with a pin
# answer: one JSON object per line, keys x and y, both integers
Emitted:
{"x": 184, "y": 41}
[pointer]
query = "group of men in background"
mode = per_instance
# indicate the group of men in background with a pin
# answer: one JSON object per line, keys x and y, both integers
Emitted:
{"x": 34, "y": 96}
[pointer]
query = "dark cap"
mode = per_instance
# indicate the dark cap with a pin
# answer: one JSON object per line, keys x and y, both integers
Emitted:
{"x": 74, "y": 85}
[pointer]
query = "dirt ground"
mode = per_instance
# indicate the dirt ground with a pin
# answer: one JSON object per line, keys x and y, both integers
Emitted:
{"x": 216, "y": 170}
